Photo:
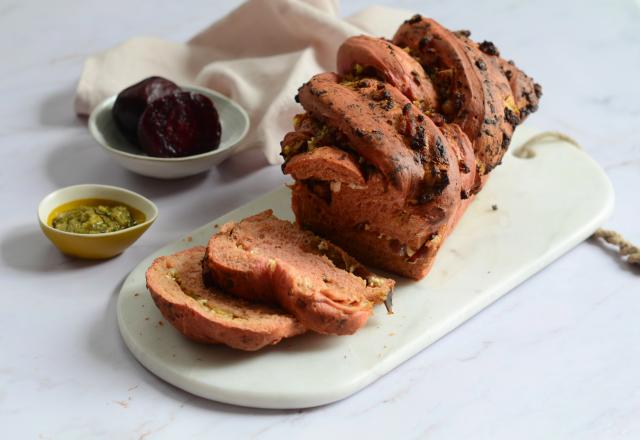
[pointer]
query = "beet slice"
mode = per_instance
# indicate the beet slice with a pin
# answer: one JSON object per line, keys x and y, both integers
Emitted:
{"x": 133, "y": 101}
{"x": 180, "y": 124}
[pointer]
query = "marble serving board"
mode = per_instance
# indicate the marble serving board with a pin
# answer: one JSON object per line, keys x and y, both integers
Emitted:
{"x": 530, "y": 212}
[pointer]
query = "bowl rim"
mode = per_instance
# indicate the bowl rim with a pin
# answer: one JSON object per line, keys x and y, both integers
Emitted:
{"x": 107, "y": 104}
{"x": 45, "y": 223}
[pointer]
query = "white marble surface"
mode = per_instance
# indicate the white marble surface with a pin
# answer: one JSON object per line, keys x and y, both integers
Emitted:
{"x": 556, "y": 358}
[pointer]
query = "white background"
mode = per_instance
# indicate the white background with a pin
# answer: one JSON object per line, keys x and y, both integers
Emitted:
{"x": 557, "y": 358}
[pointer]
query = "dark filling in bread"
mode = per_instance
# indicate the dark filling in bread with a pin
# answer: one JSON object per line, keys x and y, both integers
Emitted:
{"x": 358, "y": 73}
{"x": 442, "y": 77}
{"x": 310, "y": 134}
{"x": 320, "y": 188}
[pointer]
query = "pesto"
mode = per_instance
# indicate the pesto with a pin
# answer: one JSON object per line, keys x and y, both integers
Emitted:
{"x": 97, "y": 219}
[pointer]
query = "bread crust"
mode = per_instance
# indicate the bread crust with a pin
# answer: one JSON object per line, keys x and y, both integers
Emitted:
{"x": 424, "y": 165}
{"x": 326, "y": 163}
{"x": 208, "y": 315}
{"x": 386, "y": 130}
{"x": 473, "y": 88}
{"x": 391, "y": 63}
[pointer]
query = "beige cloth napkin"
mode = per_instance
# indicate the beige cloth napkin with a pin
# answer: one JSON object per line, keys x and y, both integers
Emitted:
{"x": 258, "y": 55}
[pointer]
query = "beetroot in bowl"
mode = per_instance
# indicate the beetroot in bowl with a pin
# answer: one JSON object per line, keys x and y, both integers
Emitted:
{"x": 165, "y": 120}
{"x": 179, "y": 124}
{"x": 134, "y": 100}
{"x": 234, "y": 125}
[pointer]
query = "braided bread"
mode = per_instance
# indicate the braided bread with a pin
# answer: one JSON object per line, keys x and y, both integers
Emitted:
{"x": 392, "y": 148}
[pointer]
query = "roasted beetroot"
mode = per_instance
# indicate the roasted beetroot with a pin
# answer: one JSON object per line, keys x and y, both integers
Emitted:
{"x": 179, "y": 124}
{"x": 133, "y": 101}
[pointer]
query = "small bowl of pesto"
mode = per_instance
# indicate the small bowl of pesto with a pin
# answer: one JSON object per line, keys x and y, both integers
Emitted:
{"x": 95, "y": 221}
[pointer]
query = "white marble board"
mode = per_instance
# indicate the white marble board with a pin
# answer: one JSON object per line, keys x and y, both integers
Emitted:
{"x": 545, "y": 205}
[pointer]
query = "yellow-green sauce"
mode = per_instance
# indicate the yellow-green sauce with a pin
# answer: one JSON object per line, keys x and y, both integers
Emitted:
{"x": 94, "y": 216}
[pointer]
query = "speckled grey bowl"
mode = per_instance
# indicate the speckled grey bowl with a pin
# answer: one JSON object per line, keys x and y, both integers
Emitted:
{"x": 235, "y": 125}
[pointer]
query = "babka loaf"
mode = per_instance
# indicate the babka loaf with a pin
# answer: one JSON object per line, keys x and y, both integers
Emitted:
{"x": 392, "y": 148}
{"x": 263, "y": 258}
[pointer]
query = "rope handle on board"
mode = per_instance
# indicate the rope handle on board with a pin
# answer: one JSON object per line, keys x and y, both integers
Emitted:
{"x": 625, "y": 248}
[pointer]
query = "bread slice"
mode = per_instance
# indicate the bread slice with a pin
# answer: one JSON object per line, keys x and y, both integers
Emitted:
{"x": 271, "y": 260}
{"x": 209, "y": 315}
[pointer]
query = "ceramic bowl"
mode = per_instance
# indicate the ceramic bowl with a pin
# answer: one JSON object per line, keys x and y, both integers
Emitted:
{"x": 233, "y": 119}
{"x": 95, "y": 246}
